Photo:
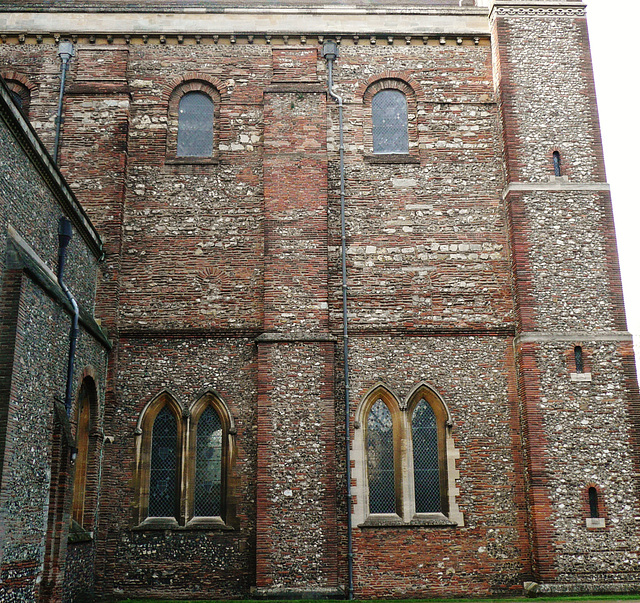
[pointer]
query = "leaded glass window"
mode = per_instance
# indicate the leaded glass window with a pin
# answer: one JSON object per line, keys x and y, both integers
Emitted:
{"x": 382, "y": 494}
{"x": 208, "y": 480}
{"x": 163, "y": 470}
{"x": 195, "y": 125}
{"x": 426, "y": 465}
{"x": 390, "y": 122}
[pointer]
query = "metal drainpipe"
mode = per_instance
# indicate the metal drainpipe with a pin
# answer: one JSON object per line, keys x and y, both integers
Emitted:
{"x": 65, "y": 52}
{"x": 330, "y": 53}
{"x": 64, "y": 236}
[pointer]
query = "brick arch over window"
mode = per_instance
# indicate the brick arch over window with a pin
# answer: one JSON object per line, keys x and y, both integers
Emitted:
{"x": 193, "y": 114}
{"x": 22, "y": 90}
{"x": 398, "y": 136}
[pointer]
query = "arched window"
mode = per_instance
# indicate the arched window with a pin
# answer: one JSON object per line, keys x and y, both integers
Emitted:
{"x": 594, "y": 511}
{"x": 579, "y": 359}
{"x": 185, "y": 462}
{"x": 163, "y": 470}
{"x": 86, "y": 401}
{"x": 426, "y": 459}
{"x": 192, "y": 121}
{"x": 389, "y": 118}
{"x": 380, "y": 459}
{"x": 20, "y": 92}
{"x": 405, "y": 460}
{"x": 207, "y": 497}
{"x": 557, "y": 167}
{"x": 195, "y": 125}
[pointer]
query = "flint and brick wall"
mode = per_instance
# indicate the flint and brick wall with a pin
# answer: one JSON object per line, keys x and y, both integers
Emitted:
{"x": 35, "y": 320}
{"x": 223, "y": 275}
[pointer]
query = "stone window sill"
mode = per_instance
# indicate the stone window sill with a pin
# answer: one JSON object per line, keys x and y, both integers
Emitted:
{"x": 170, "y": 523}
{"x": 391, "y": 520}
{"x": 391, "y": 158}
{"x": 192, "y": 161}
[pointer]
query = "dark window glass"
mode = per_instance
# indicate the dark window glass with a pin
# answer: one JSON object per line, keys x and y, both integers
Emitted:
{"x": 163, "y": 472}
{"x": 557, "y": 169}
{"x": 382, "y": 494}
{"x": 593, "y": 503}
{"x": 208, "y": 481}
{"x": 389, "y": 116}
{"x": 17, "y": 99}
{"x": 577, "y": 353}
{"x": 426, "y": 466}
{"x": 195, "y": 125}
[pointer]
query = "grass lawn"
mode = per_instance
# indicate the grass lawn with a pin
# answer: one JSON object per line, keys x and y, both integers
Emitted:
{"x": 559, "y": 599}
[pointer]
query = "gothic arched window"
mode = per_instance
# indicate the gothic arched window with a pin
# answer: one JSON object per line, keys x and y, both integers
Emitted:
{"x": 380, "y": 459}
{"x": 207, "y": 496}
{"x": 184, "y": 463}
{"x": 426, "y": 459}
{"x": 85, "y": 418}
{"x": 405, "y": 461}
{"x": 163, "y": 469}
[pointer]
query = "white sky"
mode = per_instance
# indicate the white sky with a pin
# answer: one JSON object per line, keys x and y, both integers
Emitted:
{"x": 616, "y": 64}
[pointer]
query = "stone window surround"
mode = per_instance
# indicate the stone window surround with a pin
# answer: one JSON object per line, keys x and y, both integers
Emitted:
{"x": 402, "y": 83}
{"x": 191, "y": 83}
{"x": 403, "y": 453}
{"x": 187, "y": 424}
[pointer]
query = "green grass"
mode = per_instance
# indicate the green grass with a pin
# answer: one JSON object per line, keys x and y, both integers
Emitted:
{"x": 559, "y": 599}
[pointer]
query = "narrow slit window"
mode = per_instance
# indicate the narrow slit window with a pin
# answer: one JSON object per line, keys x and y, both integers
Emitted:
{"x": 577, "y": 354}
{"x": 390, "y": 122}
{"x": 426, "y": 464}
{"x": 594, "y": 512}
{"x": 208, "y": 481}
{"x": 195, "y": 125}
{"x": 557, "y": 168}
{"x": 163, "y": 474}
{"x": 380, "y": 460}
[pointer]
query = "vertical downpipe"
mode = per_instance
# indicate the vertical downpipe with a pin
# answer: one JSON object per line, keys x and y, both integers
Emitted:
{"x": 64, "y": 236}
{"x": 330, "y": 53}
{"x": 65, "y": 52}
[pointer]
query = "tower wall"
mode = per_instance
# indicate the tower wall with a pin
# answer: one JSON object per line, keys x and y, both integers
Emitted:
{"x": 578, "y": 421}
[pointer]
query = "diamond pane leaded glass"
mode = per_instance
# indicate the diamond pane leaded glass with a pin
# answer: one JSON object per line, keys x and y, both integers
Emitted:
{"x": 208, "y": 483}
{"x": 382, "y": 494}
{"x": 163, "y": 470}
{"x": 424, "y": 432}
{"x": 195, "y": 125}
{"x": 389, "y": 116}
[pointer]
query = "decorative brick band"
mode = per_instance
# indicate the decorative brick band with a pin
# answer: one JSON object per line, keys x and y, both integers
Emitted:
{"x": 537, "y": 11}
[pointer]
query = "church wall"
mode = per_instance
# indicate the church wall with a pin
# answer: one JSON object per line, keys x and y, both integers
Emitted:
{"x": 35, "y": 456}
{"x": 488, "y": 554}
{"x": 460, "y": 280}
{"x": 186, "y": 561}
